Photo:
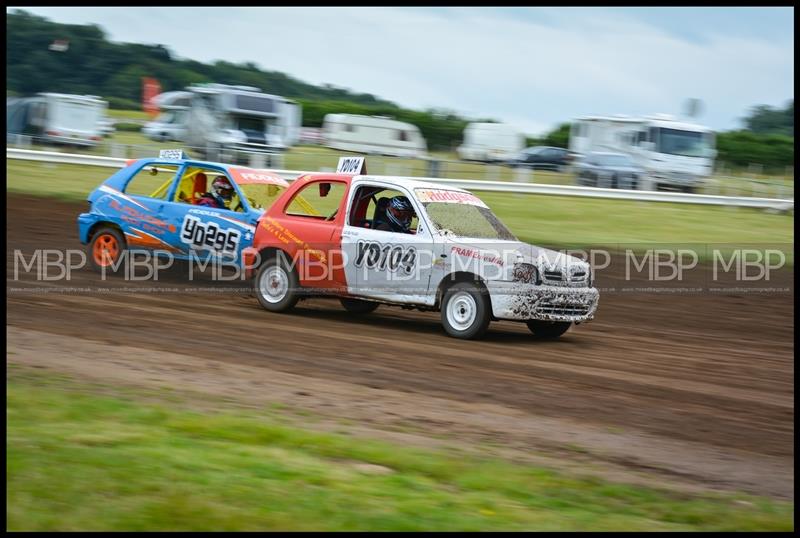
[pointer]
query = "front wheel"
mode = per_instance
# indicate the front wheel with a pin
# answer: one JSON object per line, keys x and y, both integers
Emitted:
{"x": 548, "y": 330}
{"x": 357, "y": 306}
{"x": 466, "y": 311}
{"x": 276, "y": 285}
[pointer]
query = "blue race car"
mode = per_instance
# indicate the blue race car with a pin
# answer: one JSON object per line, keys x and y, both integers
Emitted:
{"x": 188, "y": 208}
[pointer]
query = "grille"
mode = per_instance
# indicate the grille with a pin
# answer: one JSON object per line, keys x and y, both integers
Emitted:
{"x": 558, "y": 277}
{"x": 562, "y": 309}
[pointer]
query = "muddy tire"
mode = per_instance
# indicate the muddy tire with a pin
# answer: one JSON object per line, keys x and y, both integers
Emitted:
{"x": 105, "y": 249}
{"x": 276, "y": 285}
{"x": 548, "y": 330}
{"x": 358, "y": 307}
{"x": 466, "y": 311}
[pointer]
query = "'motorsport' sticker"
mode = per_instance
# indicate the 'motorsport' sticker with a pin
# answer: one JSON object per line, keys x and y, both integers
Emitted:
{"x": 374, "y": 255}
{"x": 209, "y": 236}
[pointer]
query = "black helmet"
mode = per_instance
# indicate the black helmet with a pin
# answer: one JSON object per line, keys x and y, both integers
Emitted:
{"x": 400, "y": 212}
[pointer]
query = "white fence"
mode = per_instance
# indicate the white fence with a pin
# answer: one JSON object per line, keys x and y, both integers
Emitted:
{"x": 469, "y": 184}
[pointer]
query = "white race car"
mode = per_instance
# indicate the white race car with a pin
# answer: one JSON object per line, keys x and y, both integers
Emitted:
{"x": 373, "y": 239}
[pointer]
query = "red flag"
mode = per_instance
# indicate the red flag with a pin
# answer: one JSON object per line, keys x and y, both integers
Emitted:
{"x": 150, "y": 88}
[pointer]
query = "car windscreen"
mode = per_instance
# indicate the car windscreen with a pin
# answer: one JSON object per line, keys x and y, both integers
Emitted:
{"x": 462, "y": 215}
{"x": 686, "y": 143}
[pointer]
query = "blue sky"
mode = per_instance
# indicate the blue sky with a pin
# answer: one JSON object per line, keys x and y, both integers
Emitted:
{"x": 532, "y": 67}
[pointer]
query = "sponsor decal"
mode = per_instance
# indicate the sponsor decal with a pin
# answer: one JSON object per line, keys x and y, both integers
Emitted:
{"x": 286, "y": 236}
{"x": 140, "y": 238}
{"x": 385, "y": 257}
{"x": 450, "y": 197}
{"x": 134, "y": 216}
{"x": 259, "y": 177}
{"x": 204, "y": 212}
{"x": 471, "y": 253}
{"x": 209, "y": 236}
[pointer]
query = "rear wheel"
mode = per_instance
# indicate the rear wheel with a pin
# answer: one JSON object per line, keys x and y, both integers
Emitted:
{"x": 548, "y": 330}
{"x": 357, "y": 306}
{"x": 105, "y": 249}
{"x": 466, "y": 310}
{"x": 276, "y": 285}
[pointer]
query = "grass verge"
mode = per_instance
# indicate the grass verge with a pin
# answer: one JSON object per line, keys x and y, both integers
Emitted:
{"x": 88, "y": 457}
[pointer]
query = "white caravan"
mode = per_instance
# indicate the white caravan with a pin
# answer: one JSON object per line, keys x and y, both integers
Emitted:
{"x": 674, "y": 154}
{"x": 57, "y": 118}
{"x": 490, "y": 142}
{"x": 372, "y": 135}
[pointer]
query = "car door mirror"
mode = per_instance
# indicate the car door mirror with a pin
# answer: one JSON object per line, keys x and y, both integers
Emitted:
{"x": 324, "y": 189}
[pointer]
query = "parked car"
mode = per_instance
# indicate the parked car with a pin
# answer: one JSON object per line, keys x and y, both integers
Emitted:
{"x": 609, "y": 170}
{"x": 543, "y": 158}
{"x": 151, "y": 205}
{"x": 455, "y": 257}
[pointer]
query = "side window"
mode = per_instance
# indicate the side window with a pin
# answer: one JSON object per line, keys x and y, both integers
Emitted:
{"x": 152, "y": 181}
{"x": 376, "y": 200}
{"x": 319, "y": 199}
{"x": 196, "y": 181}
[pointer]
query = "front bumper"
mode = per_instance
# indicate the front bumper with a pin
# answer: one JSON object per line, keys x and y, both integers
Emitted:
{"x": 523, "y": 302}
{"x": 678, "y": 179}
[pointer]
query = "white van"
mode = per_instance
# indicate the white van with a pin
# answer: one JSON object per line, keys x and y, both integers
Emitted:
{"x": 372, "y": 135}
{"x": 490, "y": 142}
{"x": 57, "y": 118}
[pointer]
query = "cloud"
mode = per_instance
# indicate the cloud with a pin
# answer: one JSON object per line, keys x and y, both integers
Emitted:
{"x": 533, "y": 71}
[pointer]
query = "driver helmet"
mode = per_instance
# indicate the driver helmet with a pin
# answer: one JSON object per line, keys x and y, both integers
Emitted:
{"x": 222, "y": 188}
{"x": 400, "y": 212}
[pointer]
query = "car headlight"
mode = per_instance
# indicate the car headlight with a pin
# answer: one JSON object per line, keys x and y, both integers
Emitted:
{"x": 526, "y": 273}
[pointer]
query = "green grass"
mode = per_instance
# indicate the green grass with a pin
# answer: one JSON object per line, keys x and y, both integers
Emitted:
{"x": 88, "y": 457}
{"x": 562, "y": 222}
{"x": 128, "y": 114}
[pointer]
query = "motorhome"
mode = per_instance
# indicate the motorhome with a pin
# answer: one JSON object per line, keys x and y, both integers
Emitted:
{"x": 217, "y": 118}
{"x": 372, "y": 135}
{"x": 674, "y": 154}
{"x": 171, "y": 123}
{"x": 240, "y": 118}
{"x": 489, "y": 142}
{"x": 57, "y": 118}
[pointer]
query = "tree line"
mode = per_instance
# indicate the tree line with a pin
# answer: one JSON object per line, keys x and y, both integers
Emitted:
{"x": 94, "y": 65}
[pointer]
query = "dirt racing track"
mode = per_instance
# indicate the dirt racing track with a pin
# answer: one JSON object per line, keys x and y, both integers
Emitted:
{"x": 692, "y": 390}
